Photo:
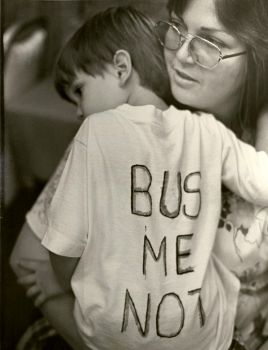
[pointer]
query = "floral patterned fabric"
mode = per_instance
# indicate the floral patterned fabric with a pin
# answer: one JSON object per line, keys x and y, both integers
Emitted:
{"x": 242, "y": 244}
{"x": 37, "y": 216}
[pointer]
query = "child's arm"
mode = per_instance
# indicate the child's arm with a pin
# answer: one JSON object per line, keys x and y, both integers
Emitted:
{"x": 56, "y": 304}
{"x": 64, "y": 268}
{"x": 59, "y": 312}
{"x": 31, "y": 264}
{"x": 29, "y": 259}
{"x": 27, "y": 246}
{"x": 40, "y": 282}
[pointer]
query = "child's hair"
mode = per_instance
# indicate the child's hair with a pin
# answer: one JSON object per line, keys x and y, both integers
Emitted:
{"x": 94, "y": 44}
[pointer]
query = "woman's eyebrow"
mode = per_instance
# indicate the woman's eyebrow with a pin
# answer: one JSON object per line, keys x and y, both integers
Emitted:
{"x": 215, "y": 30}
{"x": 177, "y": 18}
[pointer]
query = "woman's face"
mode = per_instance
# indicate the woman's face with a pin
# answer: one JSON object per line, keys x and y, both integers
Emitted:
{"x": 217, "y": 90}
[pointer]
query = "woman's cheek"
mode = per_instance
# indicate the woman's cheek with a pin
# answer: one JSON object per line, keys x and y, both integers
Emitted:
{"x": 168, "y": 59}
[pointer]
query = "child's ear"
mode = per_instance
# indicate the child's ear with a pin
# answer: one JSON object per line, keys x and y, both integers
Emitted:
{"x": 123, "y": 65}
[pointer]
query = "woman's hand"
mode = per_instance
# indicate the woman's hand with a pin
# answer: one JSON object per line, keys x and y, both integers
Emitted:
{"x": 40, "y": 282}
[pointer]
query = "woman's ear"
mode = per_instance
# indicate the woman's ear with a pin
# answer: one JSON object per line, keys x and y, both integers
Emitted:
{"x": 123, "y": 65}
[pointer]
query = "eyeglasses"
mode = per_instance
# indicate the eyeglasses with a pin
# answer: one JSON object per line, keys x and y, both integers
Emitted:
{"x": 205, "y": 53}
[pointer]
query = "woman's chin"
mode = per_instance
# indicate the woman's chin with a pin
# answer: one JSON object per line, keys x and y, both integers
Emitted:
{"x": 187, "y": 99}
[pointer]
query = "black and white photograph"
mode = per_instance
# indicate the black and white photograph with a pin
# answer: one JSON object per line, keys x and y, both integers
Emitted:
{"x": 134, "y": 175}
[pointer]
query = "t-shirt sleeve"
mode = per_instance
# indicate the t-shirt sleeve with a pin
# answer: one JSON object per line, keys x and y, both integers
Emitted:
{"x": 67, "y": 215}
{"x": 37, "y": 216}
{"x": 244, "y": 170}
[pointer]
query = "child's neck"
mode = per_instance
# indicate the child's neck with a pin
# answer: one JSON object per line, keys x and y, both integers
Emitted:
{"x": 141, "y": 96}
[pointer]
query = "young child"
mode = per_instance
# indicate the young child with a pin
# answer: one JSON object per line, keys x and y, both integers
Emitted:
{"x": 134, "y": 217}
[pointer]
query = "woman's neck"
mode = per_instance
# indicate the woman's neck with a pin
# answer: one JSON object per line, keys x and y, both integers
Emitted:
{"x": 227, "y": 113}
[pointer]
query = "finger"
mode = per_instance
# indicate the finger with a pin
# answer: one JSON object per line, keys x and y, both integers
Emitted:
{"x": 27, "y": 280}
{"x": 50, "y": 333}
{"x": 39, "y": 300}
{"x": 29, "y": 264}
{"x": 32, "y": 291}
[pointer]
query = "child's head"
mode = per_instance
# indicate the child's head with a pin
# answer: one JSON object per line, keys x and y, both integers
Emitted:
{"x": 98, "y": 45}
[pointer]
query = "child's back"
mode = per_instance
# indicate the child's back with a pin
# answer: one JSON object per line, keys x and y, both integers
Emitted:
{"x": 139, "y": 202}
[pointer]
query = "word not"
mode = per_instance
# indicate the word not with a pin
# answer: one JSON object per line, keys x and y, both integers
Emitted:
{"x": 179, "y": 310}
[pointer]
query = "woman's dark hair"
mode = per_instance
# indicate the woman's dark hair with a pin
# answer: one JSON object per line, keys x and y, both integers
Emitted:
{"x": 177, "y": 6}
{"x": 93, "y": 46}
{"x": 248, "y": 21}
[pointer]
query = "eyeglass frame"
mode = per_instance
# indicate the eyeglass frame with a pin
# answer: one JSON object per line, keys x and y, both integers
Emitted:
{"x": 221, "y": 56}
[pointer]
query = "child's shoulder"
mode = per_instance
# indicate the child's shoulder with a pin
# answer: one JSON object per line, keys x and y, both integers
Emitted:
{"x": 100, "y": 118}
{"x": 124, "y": 113}
{"x": 100, "y": 123}
{"x": 188, "y": 117}
{"x": 198, "y": 116}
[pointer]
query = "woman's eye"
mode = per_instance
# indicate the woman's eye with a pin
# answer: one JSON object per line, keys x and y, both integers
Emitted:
{"x": 178, "y": 23}
{"x": 213, "y": 40}
{"x": 174, "y": 21}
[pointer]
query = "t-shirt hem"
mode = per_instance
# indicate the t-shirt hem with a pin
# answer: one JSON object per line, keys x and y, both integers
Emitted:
{"x": 60, "y": 244}
{"x": 36, "y": 226}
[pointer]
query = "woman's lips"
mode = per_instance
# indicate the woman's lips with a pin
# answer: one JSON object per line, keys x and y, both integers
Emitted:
{"x": 184, "y": 78}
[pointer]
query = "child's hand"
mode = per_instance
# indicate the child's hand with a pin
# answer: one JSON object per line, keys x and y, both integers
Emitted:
{"x": 41, "y": 282}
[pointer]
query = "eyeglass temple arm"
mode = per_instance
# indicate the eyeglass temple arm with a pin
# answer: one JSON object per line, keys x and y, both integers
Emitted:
{"x": 234, "y": 55}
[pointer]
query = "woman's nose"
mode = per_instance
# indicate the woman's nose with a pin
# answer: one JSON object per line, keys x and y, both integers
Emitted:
{"x": 183, "y": 54}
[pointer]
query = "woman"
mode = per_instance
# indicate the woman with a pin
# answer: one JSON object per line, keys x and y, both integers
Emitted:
{"x": 234, "y": 90}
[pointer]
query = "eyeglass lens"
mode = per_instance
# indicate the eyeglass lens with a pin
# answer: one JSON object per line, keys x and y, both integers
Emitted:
{"x": 202, "y": 51}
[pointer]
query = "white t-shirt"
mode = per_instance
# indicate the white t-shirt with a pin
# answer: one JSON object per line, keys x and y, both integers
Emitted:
{"x": 139, "y": 201}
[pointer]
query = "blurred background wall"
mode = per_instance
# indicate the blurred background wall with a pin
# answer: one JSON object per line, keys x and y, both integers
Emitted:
{"x": 65, "y": 16}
